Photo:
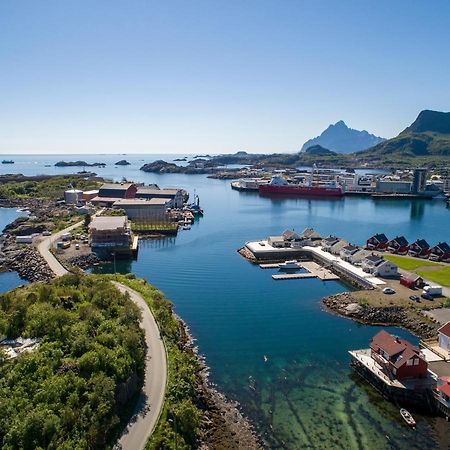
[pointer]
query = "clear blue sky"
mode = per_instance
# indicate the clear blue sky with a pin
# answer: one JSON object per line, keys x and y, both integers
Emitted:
{"x": 214, "y": 76}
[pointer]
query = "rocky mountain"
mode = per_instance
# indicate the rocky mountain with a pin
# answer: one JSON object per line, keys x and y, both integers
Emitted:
{"x": 427, "y": 136}
{"x": 342, "y": 139}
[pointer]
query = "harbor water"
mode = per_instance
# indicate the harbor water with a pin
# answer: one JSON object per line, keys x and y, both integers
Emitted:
{"x": 269, "y": 343}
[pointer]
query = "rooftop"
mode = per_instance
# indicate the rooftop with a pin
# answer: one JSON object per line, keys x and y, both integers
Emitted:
{"x": 153, "y": 191}
{"x": 141, "y": 202}
{"x": 108, "y": 222}
{"x": 445, "y": 329}
{"x": 118, "y": 186}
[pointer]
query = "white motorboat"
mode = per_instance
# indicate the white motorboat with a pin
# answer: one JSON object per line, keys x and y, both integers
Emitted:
{"x": 292, "y": 264}
{"x": 408, "y": 418}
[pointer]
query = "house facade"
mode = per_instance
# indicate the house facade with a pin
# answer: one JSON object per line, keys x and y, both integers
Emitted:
{"x": 348, "y": 251}
{"x": 398, "y": 245}
{"x": 398, "y": 358}
{"x": 117, "y": 190}
{"x": 419, "y": 249}
{"x": 110, "y": 232}
{"x": 444, "y": 337}
{"x": 440, "y": 252}
{"x": 377, "y": 242}
{"x": 175, "y": 197}
{"x": 153, "y": 210}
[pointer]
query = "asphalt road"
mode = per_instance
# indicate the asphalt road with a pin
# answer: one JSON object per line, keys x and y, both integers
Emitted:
{"x": 151, "y": 399}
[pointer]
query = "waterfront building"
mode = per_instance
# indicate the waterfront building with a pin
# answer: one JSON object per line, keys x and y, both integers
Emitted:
{"x": 175, "y": 197}
{"x": 359, "y": 256}
{"x": 378, "y": 266}
{"x": 419, "y": 249}
{"x": 398, "y": 358}
{"x": 149, "y": 210}
{"x": 89, "y": 195}
{"x": 336, "y": 248}
{"x": 348, "y": 251}
{"x": 444, "y": 337}
{"x": 442, "y": 395}
{"x": 398, "y": 245}
{"x": 112, "y": 234}
{"x": 419, "y": 181}
{"x": 377, "y": 242}
{"x": 118, "y": 190}
{"x": 440, "y": 252}
{"x": 311, "y": 235}
{"x": 73, "y": 196}
{"x": 328, "y": 242}
{"x": 393, "y": 187}
{"x": 278, "y": 242}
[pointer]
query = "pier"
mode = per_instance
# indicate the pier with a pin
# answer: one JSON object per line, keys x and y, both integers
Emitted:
{"x": 314, "y": 270}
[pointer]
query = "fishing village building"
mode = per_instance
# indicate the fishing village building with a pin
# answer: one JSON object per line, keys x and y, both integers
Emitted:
{"x": 377, "y": 242}
{"x": 419, "y": 249}
{"x": 398, "y": 245}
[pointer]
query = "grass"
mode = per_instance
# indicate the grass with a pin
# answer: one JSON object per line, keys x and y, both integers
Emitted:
{"x": 407, "y": 263}
{"x": 432, "y": 271}
{"x": 441, "y": 276}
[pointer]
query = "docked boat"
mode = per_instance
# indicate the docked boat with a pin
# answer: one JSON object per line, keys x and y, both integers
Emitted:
{"x": 7, "y": 161}
{"x": 292, "y": 264}
{"x": 408, "y": 418}
{"x": 279, "y": 185}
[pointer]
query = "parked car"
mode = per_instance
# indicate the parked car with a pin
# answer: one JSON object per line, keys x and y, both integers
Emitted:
{"x": 427, "y": 296}
{"x": 388, "y": 290}
{"x": 414, "y": 298}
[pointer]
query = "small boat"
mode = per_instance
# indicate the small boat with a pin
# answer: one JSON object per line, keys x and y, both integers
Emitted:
{"x": 265, "y": 358}
{"x": 408, "y": 418}
{"x": 186, "y": 227}
{"x": 292, "y": 264}
{"x": 7, "y": 161}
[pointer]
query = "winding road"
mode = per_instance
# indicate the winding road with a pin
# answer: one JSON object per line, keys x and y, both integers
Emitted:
{"x": 151, "y": 399}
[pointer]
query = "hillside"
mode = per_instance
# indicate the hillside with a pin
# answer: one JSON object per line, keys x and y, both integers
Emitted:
{"x": 342, "y": 139}
{"x": 426, "y": 139}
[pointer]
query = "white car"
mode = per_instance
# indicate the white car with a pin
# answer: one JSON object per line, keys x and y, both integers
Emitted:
{"x": 388, "y": 290}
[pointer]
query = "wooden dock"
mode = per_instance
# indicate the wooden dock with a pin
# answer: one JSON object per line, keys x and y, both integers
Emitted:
{"x": 314, "y": 271}
{"x": 293, "y": 276}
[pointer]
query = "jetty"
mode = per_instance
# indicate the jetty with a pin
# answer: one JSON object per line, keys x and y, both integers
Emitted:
{"x": 313, "y": 269}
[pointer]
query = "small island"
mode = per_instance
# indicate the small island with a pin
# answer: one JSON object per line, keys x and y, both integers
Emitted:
{"x": 122, "y": 162}
{"x": 78, "y": 164}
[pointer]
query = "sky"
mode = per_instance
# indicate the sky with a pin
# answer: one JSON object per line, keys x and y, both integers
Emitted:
{"x": 194, "y": 76}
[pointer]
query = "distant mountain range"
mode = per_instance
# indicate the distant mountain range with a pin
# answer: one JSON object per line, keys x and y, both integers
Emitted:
{"x": 428, "y": 136}
{"x": 342, "y": 139}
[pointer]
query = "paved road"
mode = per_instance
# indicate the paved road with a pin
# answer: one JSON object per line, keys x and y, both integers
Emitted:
{"x": 151, "y": 400}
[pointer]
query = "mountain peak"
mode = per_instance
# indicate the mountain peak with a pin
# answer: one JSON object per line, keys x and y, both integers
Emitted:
{"x": 432, "y": 121}
{"x": 342, "y": 139}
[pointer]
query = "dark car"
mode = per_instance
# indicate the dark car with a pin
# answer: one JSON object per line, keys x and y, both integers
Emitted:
{"x": 414, "y": 298}
{"x": 427, "y": 296}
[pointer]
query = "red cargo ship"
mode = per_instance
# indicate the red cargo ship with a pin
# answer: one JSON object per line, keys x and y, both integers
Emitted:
{"x": 279, "y": 185}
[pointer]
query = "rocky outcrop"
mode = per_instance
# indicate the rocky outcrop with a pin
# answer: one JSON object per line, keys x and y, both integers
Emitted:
{"x": 194, "y": 167}
{"x": 78, "y": 164}
{"x": 27, "y": 262}
{"x": 122, "y": 162}
{"x": 84, "y": 261}
{"x": 346, "y": 305}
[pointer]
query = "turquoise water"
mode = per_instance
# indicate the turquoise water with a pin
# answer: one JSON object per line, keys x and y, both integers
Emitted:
{"x": 305, "y": 395}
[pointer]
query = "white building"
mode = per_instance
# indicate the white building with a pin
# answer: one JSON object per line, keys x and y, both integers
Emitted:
{"x": 379, "y": 267}
{"x": 73, "y": 196}
{"x": 444, "y": 337}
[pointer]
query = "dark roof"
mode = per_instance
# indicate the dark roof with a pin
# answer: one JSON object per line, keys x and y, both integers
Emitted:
{"x": 401, "y": 240}
{"x": 374, "y": 258}
{"x": 445, "y": 329}
{"x": 351, "y": 248}
{"x": 381, "y": 238}
{"x": 422, "y": 243}
{"x": 443, "y": 246}
{"x": 331, "y": 239}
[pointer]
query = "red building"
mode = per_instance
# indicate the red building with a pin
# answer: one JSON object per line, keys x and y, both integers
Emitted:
{"x": 411, "y": 282}
{"x": 377, "y": 242}
{"x": 398, "y": 245}
{"x": 440, "y": 252}
{"x": 419, "y": 249}
{"x": 398, "y": 358}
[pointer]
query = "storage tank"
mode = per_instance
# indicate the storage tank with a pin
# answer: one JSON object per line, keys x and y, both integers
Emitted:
{"x": 73, "y": 196}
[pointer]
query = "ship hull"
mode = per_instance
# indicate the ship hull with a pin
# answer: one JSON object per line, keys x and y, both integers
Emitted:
{"x": 302, "y": 191}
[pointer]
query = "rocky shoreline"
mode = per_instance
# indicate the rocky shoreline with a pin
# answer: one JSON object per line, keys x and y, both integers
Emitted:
{"x": 225, "y": 427}
{"x": 346, "y": 305}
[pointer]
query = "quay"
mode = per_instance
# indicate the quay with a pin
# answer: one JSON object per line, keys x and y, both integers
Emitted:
{"x": 314, "y": 270}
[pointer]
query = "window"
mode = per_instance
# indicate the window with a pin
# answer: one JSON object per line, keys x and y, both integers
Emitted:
{"x": 416, "y": 361}
{"x": 409, "y": 362}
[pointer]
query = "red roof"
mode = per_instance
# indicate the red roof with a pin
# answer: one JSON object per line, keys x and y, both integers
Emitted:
{"x": 445, "y": 388}
{"x": 392, "y": 345}
{"x": 445, "y": 329}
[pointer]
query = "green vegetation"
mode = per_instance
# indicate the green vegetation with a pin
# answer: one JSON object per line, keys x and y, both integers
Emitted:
{"x": 73, "y": 391}
{"x": 433, "y": 271}
{"x": 179, "y": 424}
{"x": 50, "y": 189}
{"x": 407, "y": 263}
